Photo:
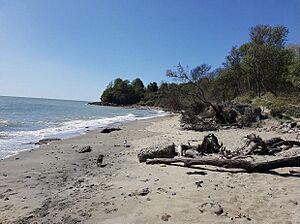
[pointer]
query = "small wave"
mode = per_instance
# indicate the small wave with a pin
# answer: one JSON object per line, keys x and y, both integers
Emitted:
{"x": 3, "y": 135}
{"x": 69, "y": 127}
{"x": 10, "y": 141}
{"x": 7, "y": 123}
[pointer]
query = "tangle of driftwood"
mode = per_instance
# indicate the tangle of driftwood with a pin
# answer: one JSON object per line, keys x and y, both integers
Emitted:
{"x": 254, "y": 145}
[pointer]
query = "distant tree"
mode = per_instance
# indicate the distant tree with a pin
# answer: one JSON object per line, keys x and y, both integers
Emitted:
{"x": 263, "y": 64}
{"x": 233, "y": 67}
{"x": 117, "y": 82}
{"x": 169, "y": 96}
{"x": 265, "y": 60}
{"x": 108, "y": 95}
{"x": 121, "y": 92}
{"x": 138, "y": 87}
{"x": 294, "y": 74}
{"x": 137, "y": 84}
{"x": 295, "y": 48}
{"x": 269, "y": 36}
{"x": 226, "y": 86}
{"x": 152, "y": 87}
{"x": 193, "y": 77}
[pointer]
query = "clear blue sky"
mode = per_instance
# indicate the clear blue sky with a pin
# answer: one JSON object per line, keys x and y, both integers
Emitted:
{"x": 71, "y": 49}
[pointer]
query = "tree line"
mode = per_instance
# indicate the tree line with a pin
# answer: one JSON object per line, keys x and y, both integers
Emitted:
{"x": 262, "y": 65}
{"x": 123, "y": 92}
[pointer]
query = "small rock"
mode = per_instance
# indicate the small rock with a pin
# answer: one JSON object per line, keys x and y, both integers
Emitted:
{"x": 211, "y": 207}
{"x": 46, "y": 141}
{"x": 109, "y": 130}
{"x": 199, "y": 183}
{"x": 85, "y": 149}
{"x": 196, "y": 173}
{"x": 165, "y": 217}
{"x": 218, "y": 210}
{"x": 81, "y": 180}
{"x": 145, "y": 180}
{"x": 100, "y": 160}
{"x": 293, "y": 202}
{"x": 143, "y": 192}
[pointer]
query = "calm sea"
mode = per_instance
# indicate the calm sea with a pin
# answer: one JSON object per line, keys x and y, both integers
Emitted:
{"x": 24, "y": 121}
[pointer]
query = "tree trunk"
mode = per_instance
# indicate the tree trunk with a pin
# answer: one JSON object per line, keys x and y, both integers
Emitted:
{"x": 231, "y": 163}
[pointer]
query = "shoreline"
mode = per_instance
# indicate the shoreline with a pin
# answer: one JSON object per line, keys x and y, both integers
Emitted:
{"x": 76, "y": 133}
{"x": 56, "y": 184}
{"x": 88, "y": 132}
{"x": 133, "y": 106}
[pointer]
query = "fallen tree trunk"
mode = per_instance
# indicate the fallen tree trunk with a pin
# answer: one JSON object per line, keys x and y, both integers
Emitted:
{"x": 157, "y": 151}
{"x": 255, "y": 145}
{"x": 211, "y": 117}
{"x": 231, "y": 163}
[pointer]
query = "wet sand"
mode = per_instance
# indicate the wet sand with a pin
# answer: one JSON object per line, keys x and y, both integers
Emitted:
{"x": 56, "y": 184}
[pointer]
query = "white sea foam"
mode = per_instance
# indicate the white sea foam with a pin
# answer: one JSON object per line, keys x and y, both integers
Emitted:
{"x": 13, "y": 142}
{"x": 6, "y": 123}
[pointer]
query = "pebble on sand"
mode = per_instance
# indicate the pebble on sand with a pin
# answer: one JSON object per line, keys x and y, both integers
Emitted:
{"x": 165, "y": 217}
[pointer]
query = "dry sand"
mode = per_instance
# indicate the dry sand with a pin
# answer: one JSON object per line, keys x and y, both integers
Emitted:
{"x": 56, "y": 184}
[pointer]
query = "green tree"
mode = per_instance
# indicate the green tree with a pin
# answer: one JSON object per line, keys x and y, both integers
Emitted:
{"x": 121, "y": 92}
{"x": 265, "y": 60}
{"x": 194, "y": 78}
{"x": 237, "y": 79}
{"x": 152, "y": 87}
{"x": 294, "y": 75}
{"x": 138, "y": 87}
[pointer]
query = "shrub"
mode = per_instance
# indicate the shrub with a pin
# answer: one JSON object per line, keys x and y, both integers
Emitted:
{"x": 277, "y": 112}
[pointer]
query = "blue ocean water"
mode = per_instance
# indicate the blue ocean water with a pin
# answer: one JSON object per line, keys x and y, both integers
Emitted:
{"x": 24, "y": 121}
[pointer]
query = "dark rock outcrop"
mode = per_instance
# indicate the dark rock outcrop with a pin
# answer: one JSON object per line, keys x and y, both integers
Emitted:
{"x": 97, "y": 103}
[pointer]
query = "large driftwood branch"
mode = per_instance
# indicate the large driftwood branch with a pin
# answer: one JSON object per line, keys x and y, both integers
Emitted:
{"x": 255, "y": 145}
{"x": 231, "y": 163}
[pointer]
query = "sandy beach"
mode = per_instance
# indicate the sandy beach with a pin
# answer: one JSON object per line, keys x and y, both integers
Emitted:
{"x": 56, "y": 184}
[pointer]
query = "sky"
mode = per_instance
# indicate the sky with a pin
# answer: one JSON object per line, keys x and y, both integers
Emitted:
{"x": 72, "y": 49}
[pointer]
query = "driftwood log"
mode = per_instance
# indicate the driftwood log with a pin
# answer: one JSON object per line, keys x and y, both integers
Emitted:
{"x": 195, "y": 155}
{"x": 255, "y": 145}
{"x": 209, "y": 145}
{"x": 231, "y": 163}
{"x": 157, "y": 151}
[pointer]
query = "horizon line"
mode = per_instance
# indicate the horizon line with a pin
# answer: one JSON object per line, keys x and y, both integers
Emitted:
{"x": 45, "y": 98}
